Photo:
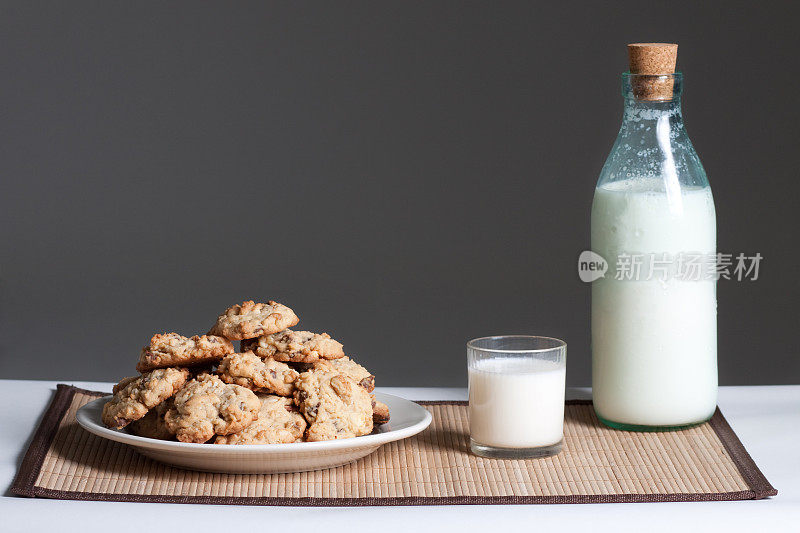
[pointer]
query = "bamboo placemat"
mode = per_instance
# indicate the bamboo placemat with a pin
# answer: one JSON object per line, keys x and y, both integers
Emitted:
{"x": 597, "y": 465}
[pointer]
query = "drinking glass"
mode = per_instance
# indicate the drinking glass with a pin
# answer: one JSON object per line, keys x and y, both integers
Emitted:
{"x": 516, "y": 395}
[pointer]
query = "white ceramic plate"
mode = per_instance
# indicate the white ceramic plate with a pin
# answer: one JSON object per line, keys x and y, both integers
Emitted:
{"x": 407, "y": 419}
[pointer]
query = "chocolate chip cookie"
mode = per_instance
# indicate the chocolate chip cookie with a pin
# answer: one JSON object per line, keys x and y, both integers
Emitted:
{"x": 207, "y": 406}
{"x": 261, "y": 375}
{"x": 278, "y": 422}
{"x": 133, "y": 397}
{"x": 380, "y": 413}
{"x": 335, "y": 406}
{"x": 351, "y": 369}
{"x": 152, "y": 425}
{"x": 171, "y": 349}
{"x": 295, "y": 346}
{"x": 124, "y": 382}
{"x": 249, "y": 320}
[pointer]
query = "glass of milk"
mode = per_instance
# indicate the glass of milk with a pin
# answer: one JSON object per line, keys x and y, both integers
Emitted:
{"x": 516, "y": 395}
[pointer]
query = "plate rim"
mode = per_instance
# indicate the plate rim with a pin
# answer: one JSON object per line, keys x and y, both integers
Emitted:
{"x": 364, "y": 441}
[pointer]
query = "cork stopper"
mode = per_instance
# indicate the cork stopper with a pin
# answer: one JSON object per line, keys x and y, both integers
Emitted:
{"x": 652, "y": 59}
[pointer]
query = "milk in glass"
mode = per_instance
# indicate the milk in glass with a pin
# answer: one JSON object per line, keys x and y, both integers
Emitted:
{"x": 516, "y": 403}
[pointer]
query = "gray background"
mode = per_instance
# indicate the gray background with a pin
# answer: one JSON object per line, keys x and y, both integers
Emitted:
{"x": 405, "y": 175}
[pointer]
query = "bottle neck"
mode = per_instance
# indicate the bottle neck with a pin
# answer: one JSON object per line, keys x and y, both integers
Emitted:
{"x": 652, "y": 103}
{"x": 642, "y": 115}
{"x": 652, "y": 87}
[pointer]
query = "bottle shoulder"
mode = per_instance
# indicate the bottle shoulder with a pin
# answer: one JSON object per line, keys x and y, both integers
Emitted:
{"x": 651, "y": 145}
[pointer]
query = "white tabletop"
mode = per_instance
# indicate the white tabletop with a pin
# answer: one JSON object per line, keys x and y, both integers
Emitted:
{"x": 766, "y": 419}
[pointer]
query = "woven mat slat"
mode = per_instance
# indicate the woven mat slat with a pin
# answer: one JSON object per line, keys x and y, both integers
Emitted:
{"x": 597, "y": 465}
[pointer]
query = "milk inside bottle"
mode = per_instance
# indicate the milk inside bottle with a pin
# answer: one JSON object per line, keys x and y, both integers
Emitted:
{"x": 654, "y": 342}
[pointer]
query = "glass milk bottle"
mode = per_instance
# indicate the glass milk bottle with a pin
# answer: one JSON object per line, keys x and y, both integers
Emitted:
{"x": 654, "y": 319}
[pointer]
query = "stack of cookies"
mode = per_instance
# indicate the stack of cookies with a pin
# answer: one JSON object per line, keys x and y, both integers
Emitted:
{"x": 282, "y": 386}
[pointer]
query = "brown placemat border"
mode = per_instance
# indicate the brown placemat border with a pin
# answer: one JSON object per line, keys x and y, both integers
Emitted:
{"x": 25, "y": 482}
